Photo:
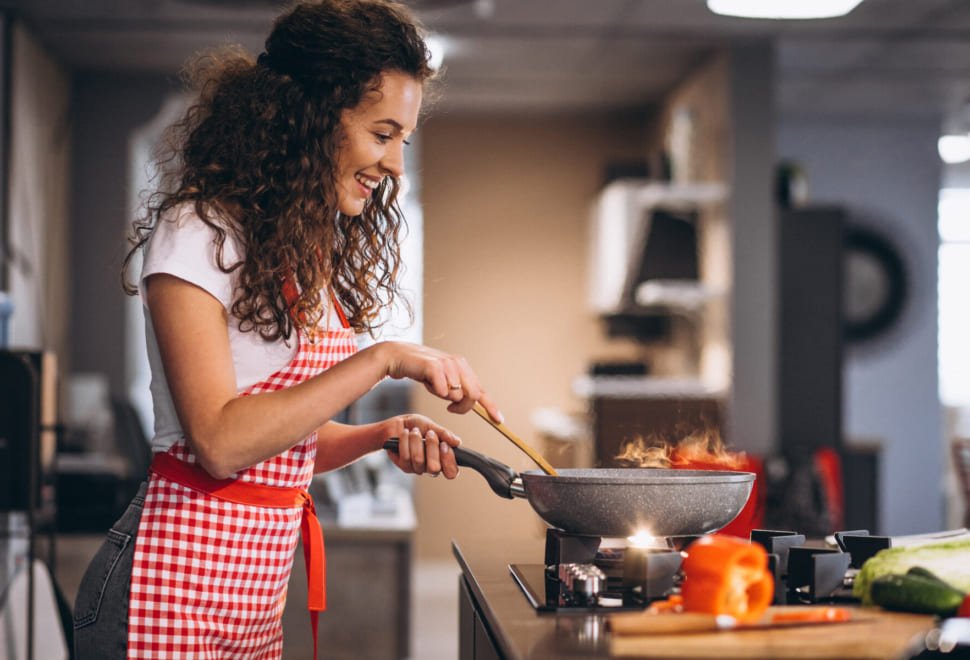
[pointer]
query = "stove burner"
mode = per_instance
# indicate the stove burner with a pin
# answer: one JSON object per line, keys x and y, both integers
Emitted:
{"x": 583, "y": 574}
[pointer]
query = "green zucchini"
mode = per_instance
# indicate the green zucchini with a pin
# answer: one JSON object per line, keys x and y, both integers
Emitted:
{"x": 948, "y": 560}
{"x": 916, "y": 592}
{"x": 928, "y": 574}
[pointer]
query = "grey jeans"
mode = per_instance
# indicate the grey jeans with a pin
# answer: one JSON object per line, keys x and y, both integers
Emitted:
{"x": 101, "y": 607}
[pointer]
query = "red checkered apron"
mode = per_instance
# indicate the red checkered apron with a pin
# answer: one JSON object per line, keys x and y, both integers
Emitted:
{"x": 211, "y": 567}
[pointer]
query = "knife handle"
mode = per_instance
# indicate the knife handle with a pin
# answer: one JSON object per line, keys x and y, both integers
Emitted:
{"x": 649, "y": 623}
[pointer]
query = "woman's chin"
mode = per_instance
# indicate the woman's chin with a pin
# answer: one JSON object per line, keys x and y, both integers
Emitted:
{"x": 352, "y": 207}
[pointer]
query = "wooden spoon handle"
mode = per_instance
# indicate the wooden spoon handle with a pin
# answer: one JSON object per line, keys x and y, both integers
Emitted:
{"x": 504, "y": 430}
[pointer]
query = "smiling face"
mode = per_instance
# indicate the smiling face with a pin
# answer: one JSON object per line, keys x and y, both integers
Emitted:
{"x": 374, "y": 137}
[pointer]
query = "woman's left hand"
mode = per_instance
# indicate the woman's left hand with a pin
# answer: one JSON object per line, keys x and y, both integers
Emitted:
{"x": 423, "y": 447}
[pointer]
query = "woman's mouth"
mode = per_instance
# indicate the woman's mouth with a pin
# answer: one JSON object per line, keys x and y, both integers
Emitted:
{"x": 366, "y": 184}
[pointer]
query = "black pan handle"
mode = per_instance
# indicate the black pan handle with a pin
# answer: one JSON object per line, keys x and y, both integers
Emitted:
{"x": 500, "y": 477}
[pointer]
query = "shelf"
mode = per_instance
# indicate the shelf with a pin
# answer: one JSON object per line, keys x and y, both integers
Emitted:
{"x": 650, "y": 387}
{"x": 649, "y": 195}
{"x": 619, "y": 227}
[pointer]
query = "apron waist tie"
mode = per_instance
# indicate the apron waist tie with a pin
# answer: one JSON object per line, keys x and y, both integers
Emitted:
{"x": 192, "y": 475}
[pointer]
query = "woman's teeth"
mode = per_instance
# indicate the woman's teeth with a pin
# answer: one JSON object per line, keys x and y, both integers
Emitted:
{"x": 370, "y": 183}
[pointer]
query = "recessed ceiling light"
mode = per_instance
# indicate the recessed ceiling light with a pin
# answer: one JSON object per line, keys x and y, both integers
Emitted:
{"x": 954, "y": 148}
{"x": 782, "y": 8}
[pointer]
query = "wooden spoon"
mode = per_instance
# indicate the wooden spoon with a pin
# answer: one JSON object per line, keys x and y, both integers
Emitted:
{"x": 504, "y": 430}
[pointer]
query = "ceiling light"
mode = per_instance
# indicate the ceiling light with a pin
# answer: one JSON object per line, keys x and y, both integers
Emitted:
{"x": 954, "y": 148}
{"x": 782, "y": 8}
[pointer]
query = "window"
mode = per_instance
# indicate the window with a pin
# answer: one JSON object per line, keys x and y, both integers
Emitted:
{"x": 954, "y": 296}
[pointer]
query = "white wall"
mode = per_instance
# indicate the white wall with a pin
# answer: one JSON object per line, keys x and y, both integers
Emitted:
{"x": 106, "y": 109}
{"x": 888, "y": 172}
{"x": 39, "y": 176}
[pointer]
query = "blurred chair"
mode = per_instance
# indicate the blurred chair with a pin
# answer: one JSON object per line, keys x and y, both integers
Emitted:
{"x": 131, "y": 440}
{"x": 93, "y": 489}
{"x": 961, "y": 463}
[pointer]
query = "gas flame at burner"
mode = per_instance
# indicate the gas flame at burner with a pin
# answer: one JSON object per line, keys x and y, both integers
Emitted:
{"x": 643, "y": 539}
{"x": 701, "y": 449}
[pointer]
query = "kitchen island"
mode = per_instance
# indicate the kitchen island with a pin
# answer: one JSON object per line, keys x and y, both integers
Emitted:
{"x": 496, "y": 621}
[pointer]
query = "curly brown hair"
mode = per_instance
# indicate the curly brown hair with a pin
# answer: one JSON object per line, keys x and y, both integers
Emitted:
{"x": 256, "y": 154}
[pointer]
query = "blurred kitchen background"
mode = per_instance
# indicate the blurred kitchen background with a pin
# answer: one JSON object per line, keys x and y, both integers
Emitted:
{"x": 635, "y": 218}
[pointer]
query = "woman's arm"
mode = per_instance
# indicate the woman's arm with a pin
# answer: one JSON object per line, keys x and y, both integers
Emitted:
{"x": 423, "y": 446}
{"x": 229, "y": 432}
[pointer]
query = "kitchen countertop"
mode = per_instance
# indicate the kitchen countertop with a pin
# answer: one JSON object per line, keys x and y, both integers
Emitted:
{"x": 519, "y": 632}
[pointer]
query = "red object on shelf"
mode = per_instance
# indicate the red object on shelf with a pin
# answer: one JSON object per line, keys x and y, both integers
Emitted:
{"x": 753, "y": 514}
{"x": 828, "y": 464}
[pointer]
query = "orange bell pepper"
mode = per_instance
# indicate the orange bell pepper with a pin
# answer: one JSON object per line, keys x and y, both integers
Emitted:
{"x": 727, "y": 575}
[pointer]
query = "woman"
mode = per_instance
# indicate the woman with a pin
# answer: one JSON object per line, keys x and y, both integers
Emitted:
{"x": 272, "y": 241}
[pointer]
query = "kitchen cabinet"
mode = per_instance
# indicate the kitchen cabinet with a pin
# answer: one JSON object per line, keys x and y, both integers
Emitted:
{"x": 671, "y": 419}
{"x": 810, "y": 329}
{"x": 368, "y": 598}
{"x": 474, "y": 640}
{"x": 625, "y": 409}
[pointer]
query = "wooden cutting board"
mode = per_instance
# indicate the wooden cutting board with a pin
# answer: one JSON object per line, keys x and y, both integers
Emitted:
{"x": 876, "y": 634}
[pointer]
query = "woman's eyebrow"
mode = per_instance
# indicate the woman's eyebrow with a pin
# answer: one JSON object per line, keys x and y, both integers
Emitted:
{"x": 392, "y": 123}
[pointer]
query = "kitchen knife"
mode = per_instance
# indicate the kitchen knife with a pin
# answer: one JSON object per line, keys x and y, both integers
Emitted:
{"x": 651, "y": 623}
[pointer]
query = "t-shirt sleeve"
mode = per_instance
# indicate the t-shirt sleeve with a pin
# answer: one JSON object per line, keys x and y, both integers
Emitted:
{"x": 185, "y": 248}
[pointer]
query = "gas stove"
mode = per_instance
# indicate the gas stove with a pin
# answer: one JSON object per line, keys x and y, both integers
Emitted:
{"x": 589, "y": 574}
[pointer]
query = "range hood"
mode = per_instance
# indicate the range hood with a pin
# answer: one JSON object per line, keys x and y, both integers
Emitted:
{"x": 643, "y": 248}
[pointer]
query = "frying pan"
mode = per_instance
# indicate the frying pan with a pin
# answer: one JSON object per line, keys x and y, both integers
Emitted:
{"x": 620, "y": 501}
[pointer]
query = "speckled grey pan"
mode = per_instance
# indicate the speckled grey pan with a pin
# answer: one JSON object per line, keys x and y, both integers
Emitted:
{"x": 620, "y": 502}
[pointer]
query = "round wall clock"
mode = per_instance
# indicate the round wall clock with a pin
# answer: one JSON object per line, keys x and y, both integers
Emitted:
{"x": 875, "y": 284}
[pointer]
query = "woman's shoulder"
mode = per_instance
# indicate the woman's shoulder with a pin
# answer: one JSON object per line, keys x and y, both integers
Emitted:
{"x": 185, "y": 216}
{"x": 184, "y": 245}
{"x": 182, "y": 226}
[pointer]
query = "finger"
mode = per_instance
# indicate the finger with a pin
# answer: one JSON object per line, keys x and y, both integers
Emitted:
{"x": 449, "y": 465}
{"x": 416, "y": 441}
{"x": 462, "y": 406}
{"x": 455, "y": 393}
{"x": 404, "y": 444}
{"x": 426, "y": 424}
{"x": 437, "y": 379}
{"x": 432, "y": 459}
{"x": 469, "y": 381}
{"x": 447, "y": 436}
{"x": 456, "y": 388}
{"x": 491, "y": 408}
{"x": 401, "y": 465}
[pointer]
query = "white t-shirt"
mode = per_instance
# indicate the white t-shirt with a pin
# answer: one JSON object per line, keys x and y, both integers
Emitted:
{"x": 186, "y": 249}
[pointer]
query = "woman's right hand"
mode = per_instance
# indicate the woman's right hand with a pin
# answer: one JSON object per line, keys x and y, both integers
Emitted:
{"x": 444, "y": 375}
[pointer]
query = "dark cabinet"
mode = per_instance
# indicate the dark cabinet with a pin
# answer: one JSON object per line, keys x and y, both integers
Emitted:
{"x": 475, "y": 641}
{"x": 620, "y": 420}
{"x": 810, "y": 330}
{"x": 368, "y": 598}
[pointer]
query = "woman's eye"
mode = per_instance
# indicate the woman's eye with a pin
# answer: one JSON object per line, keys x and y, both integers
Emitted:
{"x": 383, "y": 139}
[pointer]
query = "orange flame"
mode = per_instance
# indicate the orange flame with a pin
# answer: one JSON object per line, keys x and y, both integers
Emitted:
{"x": 702, "y": 449}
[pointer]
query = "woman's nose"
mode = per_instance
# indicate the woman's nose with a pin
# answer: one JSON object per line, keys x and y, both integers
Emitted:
{"x": 393, "y": 160}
